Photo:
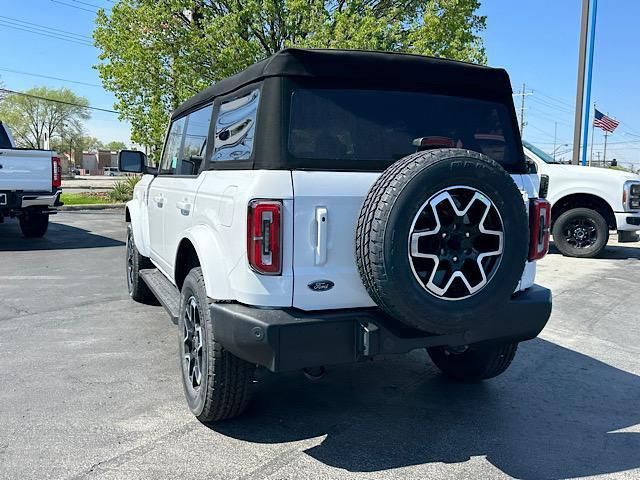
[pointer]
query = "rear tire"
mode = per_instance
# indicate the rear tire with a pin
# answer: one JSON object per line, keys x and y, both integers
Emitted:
{"x": 138, "y": 289}
{"x": 216, "y": 383}
{"x": 477, "y": 362}
{"x": 581, "y": 233}
{"x": 34, "y": 224}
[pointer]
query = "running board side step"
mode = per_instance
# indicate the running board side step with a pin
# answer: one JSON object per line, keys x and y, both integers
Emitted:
{"x": 165, "y": 291}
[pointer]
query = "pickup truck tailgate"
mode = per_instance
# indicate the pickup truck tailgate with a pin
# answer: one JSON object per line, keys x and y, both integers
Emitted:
{"x": 25, "y": 170}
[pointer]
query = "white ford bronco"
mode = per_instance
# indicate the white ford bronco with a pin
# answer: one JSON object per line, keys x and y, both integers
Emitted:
{"x": 325, "y": 206}
{"x": 586, "y": 203}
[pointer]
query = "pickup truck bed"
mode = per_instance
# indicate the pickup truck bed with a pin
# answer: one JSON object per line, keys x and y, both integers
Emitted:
{"x": 29, "y": 185}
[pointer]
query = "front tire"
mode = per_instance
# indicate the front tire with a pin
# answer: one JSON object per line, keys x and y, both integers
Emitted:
{"x": 216, "y": 383}
{"x": 475, "y": 363}
{"x": 34, "y": 224}
{"x": 581, "y": 233}
{"x": 138, "y": 290}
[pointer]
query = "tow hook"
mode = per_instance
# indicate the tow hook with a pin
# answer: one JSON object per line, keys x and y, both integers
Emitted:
{"x": 314, "y": 373}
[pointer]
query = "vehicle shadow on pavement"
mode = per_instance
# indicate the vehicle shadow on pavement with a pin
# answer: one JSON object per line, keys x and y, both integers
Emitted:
{"x": 611, "y": 252}
{"x": 553, "y": 415}
{"x": 58, "y": 237}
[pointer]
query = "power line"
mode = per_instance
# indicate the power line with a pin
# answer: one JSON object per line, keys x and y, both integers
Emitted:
{"x": 44, "y": 27}
{"x": 75, "y": 6}
{"x": 89, "y": 4}
{"x": 50, "y": 35}
{"x": 37, "y": 97}
{"x": 49, "y": 77}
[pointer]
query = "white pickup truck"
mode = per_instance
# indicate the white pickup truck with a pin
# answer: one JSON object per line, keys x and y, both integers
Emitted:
{"x": 587, "y": 203}
{"x": 30, "y": 183}
{"x": 328, "y": 206}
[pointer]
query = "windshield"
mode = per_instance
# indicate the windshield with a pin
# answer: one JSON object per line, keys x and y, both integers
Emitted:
{"x": 376, "y": 127}
{"x": 544, "y": 156}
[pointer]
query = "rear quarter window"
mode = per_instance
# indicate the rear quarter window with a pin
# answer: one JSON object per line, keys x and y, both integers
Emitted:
{"x": 4, "y": 138}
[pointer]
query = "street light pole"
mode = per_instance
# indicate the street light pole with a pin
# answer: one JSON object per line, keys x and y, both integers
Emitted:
{"x": 582, "y": 54}
{"x": 592, "y": 40}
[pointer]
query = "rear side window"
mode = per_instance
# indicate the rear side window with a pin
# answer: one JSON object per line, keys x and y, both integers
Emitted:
{"x": 374, "y": 128}
{"x": 236, "y": 127}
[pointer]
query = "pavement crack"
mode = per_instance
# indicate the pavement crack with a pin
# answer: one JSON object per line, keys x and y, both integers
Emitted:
{"x": 128, "y": 455}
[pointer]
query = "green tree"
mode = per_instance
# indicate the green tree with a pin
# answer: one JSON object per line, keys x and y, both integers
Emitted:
{"x": 115, "y": 146}
{"x": 154, "y": 54}
{"x": 33, "y": 120}
{"x": 76, "y": 142}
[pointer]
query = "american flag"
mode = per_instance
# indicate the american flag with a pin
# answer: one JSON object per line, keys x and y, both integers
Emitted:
{"x": 607, "y": 124}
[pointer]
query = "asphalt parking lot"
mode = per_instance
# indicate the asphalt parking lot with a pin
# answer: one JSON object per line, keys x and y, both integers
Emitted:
{"x": 90, "y": 388}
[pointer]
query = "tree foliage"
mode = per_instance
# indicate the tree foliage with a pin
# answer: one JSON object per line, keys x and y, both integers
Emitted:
{"x": 114, "y": 146}
{"x": 156, "y": 53}
{"x": 33, "y": 120}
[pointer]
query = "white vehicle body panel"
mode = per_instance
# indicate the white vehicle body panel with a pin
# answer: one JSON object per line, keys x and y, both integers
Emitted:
{"x": 330, "y": 255}
{"x": 607, "y": 184}
{"x": 25, "y": 170}
{"x": 312, "y": 249}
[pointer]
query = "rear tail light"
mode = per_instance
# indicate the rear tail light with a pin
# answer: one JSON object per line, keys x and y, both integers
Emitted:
{"x": 56, "y": 172}
{"x": 544, "y": 186}
{"x": 264, "y": 236}
{"x": 540, "y": 224}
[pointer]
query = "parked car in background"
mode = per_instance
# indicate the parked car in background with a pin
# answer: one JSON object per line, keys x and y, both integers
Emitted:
{"x": 587, "y": 203}
{"x": 111, "y": 171}
{"x": 327, "y": 206}
{"x": 30, "y": 182}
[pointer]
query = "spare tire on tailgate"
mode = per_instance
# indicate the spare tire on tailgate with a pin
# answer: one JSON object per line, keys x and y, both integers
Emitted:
{"x": 442, "y": 240}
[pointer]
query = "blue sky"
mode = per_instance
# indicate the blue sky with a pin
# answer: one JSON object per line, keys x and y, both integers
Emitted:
{"x": 535, "y": 40}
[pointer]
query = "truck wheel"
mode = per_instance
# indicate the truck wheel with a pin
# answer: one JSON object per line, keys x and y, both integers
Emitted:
{"x": 138, "y": 290}
{"x": 580, "y": 232}
{"x": 442, "y": 240}
{"x": 216, "y": 382}
{"x": 34, "y": 224}
{"x": 475, "y": 362}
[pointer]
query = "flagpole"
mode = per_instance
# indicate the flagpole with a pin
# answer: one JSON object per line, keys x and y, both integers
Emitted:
{"x": 604, "y": 155}
{"x": 592, "y": 133}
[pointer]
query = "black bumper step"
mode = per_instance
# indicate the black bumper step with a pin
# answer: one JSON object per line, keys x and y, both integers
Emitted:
{"x": 290, "y": 339}
{"x": 165, "y": 291}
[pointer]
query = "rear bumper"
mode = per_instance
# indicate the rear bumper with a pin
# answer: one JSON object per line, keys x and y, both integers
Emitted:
{"x": 12, "y": 202}
{"x": 289, "y": 339}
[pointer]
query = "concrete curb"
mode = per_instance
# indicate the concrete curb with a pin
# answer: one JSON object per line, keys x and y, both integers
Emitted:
{"x": 90, "y": 206}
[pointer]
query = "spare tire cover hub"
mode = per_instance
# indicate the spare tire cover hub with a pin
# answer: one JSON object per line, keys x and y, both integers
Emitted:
{"x": 456, "y": 234}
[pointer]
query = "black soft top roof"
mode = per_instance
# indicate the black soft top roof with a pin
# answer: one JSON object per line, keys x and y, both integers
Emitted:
{"x": 354, "y": 65}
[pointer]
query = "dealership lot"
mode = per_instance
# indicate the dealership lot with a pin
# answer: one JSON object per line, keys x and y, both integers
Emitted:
{"x": 90, "y": 385}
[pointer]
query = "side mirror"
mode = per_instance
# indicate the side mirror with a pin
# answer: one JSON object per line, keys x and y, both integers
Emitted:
{"x": 132, "y": 161}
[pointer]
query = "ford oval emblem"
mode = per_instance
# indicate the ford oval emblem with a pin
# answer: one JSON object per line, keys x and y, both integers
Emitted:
{"x": 321, "y": 285}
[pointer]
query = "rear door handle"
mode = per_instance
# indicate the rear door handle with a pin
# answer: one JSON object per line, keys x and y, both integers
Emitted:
{"x": 322, "y": 219}
{"x": 184, "y": 207}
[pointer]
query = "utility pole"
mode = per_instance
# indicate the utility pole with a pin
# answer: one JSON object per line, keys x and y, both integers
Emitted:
{"x": 555, "y": 136}
{"x": 522, "y": 111}
{"x": 598, "y": 157}
{"x": 604, "y": 155}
